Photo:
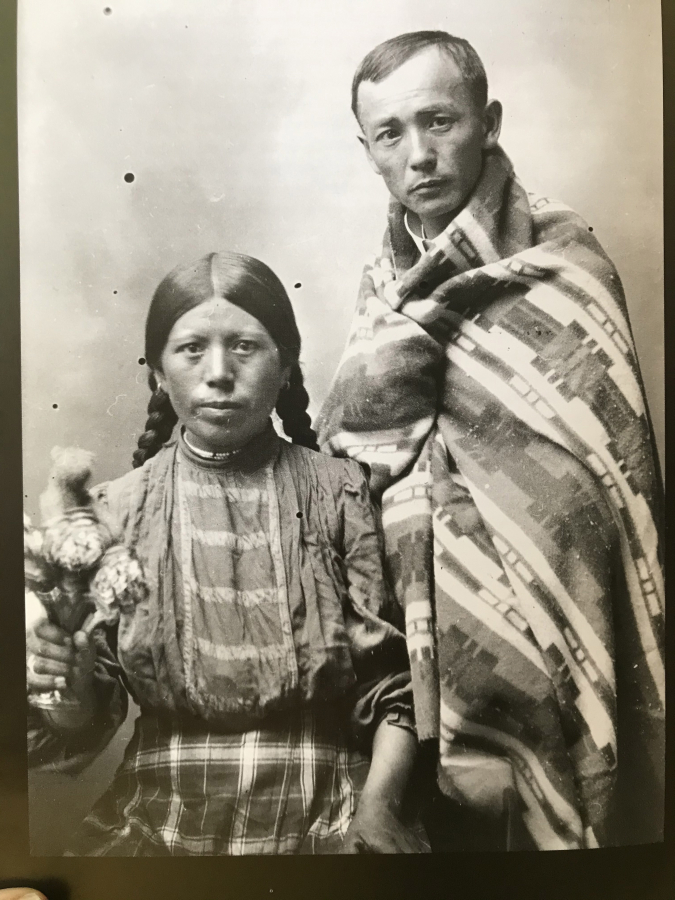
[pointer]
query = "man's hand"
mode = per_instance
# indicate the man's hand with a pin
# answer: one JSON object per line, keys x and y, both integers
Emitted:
{"x": 377, "y": 829}
{"x": 377, "y": 826}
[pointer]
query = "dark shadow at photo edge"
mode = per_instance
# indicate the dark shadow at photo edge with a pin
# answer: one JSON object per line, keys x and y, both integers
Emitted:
{"x": 614, "y": 873}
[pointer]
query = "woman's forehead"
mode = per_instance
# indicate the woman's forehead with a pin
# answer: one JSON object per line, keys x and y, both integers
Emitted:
{"x": 216, "y": 314}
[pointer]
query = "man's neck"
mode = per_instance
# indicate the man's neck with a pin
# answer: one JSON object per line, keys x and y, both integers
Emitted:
{"x": 429, "y": 228}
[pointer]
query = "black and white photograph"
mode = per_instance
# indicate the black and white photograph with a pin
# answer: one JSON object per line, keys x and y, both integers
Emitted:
{"x": 342, "y": 357}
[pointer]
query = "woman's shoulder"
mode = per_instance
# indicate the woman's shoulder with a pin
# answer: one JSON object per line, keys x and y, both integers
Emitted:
{"x": 119, "y": 494}
{"x": 104, "y": 490}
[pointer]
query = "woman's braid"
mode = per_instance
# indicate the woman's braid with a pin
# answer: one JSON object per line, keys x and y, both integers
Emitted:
{"x": 292, "y": 410}
{"x": 158, "y": 427}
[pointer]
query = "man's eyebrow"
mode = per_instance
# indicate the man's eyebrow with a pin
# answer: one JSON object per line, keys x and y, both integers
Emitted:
{"x": 389, "y": 120}
{"x": 440, "y": 106}
{"x": 445, "y": 106}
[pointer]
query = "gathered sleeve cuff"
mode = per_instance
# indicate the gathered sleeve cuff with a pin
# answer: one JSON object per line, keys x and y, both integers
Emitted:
{"x": 72, "y": 750}
{"x": 373, "y": 619}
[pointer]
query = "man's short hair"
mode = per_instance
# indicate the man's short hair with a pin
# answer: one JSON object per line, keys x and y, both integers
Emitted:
{"x": 388, "y": 56}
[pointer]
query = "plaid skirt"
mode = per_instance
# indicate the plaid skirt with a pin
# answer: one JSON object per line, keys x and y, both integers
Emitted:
{"x": 183, "y": 790}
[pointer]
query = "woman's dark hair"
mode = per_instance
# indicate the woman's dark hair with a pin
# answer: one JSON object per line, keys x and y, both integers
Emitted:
{"x": 158, "y": 426}
{"x": 249, "y": 284}
{"x": 390, "y": 55}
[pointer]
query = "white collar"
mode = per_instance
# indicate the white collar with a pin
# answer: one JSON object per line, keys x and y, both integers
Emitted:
{"x": 422, "y": 244}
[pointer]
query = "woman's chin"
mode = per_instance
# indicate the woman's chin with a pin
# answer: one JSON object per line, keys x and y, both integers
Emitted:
{"x": 219, "y": 440}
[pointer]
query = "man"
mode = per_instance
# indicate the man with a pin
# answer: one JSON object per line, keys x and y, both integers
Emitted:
{"x": 491, "y": 385}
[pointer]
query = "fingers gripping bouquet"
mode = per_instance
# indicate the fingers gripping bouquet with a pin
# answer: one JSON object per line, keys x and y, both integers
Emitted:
{"x": 82, "y": 575}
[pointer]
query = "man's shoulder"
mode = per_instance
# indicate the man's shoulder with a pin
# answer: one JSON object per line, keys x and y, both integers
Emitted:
{"x": 539, "y": 202}
{"x": 553, "y": 220}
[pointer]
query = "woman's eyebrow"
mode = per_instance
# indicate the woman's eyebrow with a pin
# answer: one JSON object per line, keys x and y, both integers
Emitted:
{"x": 185, "y": 335}
{"x": 197, "y": 333}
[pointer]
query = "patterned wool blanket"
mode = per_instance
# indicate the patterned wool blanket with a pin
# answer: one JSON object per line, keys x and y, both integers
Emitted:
{"x": 493, "y": 389}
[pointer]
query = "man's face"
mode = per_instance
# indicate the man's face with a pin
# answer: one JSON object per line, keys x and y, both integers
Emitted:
{"x": 424, "y": 133}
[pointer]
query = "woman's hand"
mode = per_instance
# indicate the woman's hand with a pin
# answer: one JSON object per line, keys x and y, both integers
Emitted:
{"x": 57, "y": 661}
{"x": 377, "y": 829}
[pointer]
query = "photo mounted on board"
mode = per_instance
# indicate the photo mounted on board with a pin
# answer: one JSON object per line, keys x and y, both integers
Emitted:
{"x": 342, "y": 358}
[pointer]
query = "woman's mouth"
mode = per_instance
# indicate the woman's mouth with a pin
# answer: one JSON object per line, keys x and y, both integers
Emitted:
{"x": 218, "y": 410}
{"x": 220, "y": 405}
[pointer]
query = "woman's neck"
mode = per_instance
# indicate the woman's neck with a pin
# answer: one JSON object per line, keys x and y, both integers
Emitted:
{"x": 256, "y": 452}
{"x": 211, "y": 454}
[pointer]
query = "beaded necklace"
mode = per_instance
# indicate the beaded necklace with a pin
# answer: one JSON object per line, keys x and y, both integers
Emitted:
{"x": 207, "y": 454}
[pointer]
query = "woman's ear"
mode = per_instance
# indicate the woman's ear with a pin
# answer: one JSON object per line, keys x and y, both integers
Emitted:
{"x": 156, "y": 377}
{"x": 286, "y": 377}
{"x": 493, "y": 124}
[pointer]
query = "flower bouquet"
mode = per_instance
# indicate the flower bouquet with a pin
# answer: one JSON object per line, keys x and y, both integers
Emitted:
{"x": 82, "y": 575}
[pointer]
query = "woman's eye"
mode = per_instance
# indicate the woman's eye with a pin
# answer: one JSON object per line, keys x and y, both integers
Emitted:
{"x": 245, "y": 346}
{"x": 192, "y": 348}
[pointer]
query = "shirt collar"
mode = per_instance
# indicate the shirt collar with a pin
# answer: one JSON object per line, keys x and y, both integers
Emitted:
{"x": 422, "y": 244}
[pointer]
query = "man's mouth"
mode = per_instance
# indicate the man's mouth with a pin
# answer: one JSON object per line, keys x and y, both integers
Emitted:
{"x": 429, "y": 185}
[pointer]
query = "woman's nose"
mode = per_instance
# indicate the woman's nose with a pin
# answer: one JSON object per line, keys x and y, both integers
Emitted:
{"x": 218, "y": 367}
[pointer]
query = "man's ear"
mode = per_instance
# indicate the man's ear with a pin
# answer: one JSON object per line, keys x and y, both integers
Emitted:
{"x": 493, "y": 124}
{"x": 364, "y": 143}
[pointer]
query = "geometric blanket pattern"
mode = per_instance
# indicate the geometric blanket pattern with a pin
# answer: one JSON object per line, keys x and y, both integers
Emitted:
{"x": 492, "y": 388}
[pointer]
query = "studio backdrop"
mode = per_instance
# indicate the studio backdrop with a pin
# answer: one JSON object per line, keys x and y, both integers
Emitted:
{"x": 154, "y": 132}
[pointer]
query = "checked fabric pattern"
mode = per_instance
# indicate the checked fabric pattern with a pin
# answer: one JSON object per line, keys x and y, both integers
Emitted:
{"x": 187, "y": 791}
{"x": 493, "y": 389}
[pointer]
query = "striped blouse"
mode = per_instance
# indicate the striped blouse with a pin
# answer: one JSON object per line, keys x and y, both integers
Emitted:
{"x": 267, "y": 594}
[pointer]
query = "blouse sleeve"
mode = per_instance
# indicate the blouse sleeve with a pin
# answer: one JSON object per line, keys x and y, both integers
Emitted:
{"x": 73, "y": 750}
{"x": 378, "y": 646}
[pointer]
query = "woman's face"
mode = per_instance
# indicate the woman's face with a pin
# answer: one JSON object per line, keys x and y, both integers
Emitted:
{"x": 223, "y": 373}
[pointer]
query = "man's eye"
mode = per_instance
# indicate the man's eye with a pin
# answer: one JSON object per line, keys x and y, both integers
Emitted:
{"x": 191, "y": 348}
{"x": 388, "y": 137}
{"x": 440, "y": 123}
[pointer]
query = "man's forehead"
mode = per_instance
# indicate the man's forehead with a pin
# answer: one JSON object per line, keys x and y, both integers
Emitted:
{"x": 429, "y": 75}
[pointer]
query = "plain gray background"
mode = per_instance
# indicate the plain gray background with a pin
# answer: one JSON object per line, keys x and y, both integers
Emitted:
{"x": 234, "y": 119}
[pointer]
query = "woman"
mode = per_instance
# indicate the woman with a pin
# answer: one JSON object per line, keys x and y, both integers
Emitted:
{"x": 274, "y": 695}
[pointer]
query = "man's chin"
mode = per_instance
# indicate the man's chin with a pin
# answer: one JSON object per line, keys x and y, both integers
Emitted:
{"x": 440, "y": 210}
{"x": 439, "y": 213}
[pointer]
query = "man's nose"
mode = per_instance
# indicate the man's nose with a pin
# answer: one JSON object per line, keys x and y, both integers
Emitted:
{"x": 219, "y": 367}
{"x": 421, "y": 151}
